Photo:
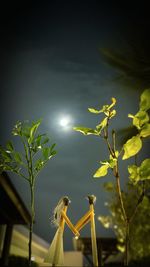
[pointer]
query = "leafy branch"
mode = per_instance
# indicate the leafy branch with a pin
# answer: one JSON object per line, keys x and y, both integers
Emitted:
{"x": 29, "y": 163}
{"x": 131, "y": 148}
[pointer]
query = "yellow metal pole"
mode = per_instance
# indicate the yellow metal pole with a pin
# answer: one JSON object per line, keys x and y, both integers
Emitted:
{"x": 93, "y": 231}
{"x": 70, "y": 225}
{"x": 83, "y": 221}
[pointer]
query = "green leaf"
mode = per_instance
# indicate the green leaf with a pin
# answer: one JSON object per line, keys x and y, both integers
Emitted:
{"x": 132, "y": 147}
{"x": 53, "y": 153}
{"x": 145, "y": 132}
{"x": 134, "y": 173}
{"x": 33, "y": 130}
{"x": 39, "y": 165}
{"x": 140, "y": 118}
{"x": 93, "y": 110}
{"x": 9, "y": 146}
{"x": 102, "y": 171}
{"x": 144, "y": 170}
{"x": 5, "y": 155}
{"x": 105, "y": 109}
{"x": 26, "y": 130}
{"x": 46, "y": 140}
{"x": 38, "y": 140}
{"x": 52, "y": 147}
{"x": 86, "y": 131}
{"x": 4, "y": 167}
{"x": 103, "y": 124}
{"x": 145, "y": 100}
{"x": 46, "y": 152}
{"x": 17, "y": 130}
{"x": 139, "y": 173}
{"x": 17, "y": 157}
{"x": 112, "y": 163}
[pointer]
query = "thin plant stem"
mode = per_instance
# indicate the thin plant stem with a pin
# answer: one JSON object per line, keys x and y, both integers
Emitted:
{"x": 32, "y": 180}
{"x": 118, "y": 188}
{"x": 31, "y": 223}
{"x": 126, "y": 260}
{"x": 116, "y": 171}
{"x": 116, "y": 174}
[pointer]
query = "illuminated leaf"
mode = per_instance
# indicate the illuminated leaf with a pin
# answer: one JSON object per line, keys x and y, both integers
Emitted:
{"x": 105, "y": 109}
{"x": 144, "y": 170}
{"x": 93, "y": 110}
{"x": 145, "y": 132}
{"x": 134, "y": 173}
{"x": 112, "y": 113}
{"x": 112, "y": 163}
{"x": 145, "y": 100}
{"x": 121, "y": 247}
{"x": 140, "y": 118}
{"x": 139, "y": 173}
{"x": 116, "y": 153}
{"x": 105, "y": 221}
{"x": 102, "y": 125}
{"x": 113, "y": 102}
{"x": 102, "y": 171}
{"x": 86, "y": 131}
{"x": 132, "y": 147}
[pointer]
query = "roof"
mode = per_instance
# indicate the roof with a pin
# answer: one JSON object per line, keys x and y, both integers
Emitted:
{"x": 12, "y": 208}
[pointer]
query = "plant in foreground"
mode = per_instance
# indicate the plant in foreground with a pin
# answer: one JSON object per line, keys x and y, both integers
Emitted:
{"x": 27, "y": 164}
{"x": 138, "y": 174}
{"x": 139, "y": 245}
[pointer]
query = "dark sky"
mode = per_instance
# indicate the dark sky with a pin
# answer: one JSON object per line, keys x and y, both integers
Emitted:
{"x": 51, "y": 67}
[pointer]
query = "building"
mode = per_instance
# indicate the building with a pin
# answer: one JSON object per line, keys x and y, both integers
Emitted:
{"x": 14, "y": 233}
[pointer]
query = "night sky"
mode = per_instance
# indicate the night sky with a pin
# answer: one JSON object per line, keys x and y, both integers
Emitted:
{"x": 51, "y": 67}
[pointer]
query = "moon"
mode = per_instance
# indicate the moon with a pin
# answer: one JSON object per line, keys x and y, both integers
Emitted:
{"x": 65, "y": 122}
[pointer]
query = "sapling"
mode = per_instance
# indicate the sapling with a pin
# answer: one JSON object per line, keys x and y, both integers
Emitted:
{"x": 34, "y": 155}
{"x": 137, "y": 173}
